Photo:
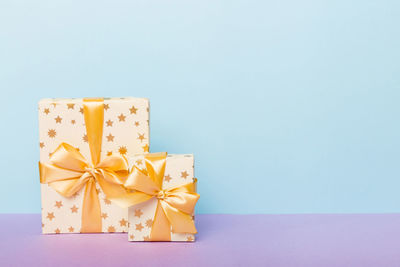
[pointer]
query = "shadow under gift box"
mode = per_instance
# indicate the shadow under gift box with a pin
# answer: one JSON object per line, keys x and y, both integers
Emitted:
{"x": 179, "y": 171}
{"x": 125, "y": 133}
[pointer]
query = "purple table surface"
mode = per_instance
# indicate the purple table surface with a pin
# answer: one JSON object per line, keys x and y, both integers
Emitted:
{"x": 223, "y": 240}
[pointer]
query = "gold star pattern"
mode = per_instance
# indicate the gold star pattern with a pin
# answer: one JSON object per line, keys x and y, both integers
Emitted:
{"x": 109, "y": 123}
{"x": 139, "y": 227}
{"x": 50, "y": 216}
{"x": 122, "y": 150}
{"x": 167, "y": 178}
{"x": 145, "y": 148}
{"x": 123, "y": 222}
{"x": 41, "y": 144}
{"x": 71, "y": 229}
{"x": 81, "y": 110}
{"x": 85, "y": 138}
{"x": 111, "y": 229}
{"x": 107, "y": 202}
{"x": 133, "y": 110}
{"x": 106, "y": 106}
{"x": 58, "y": 119}
{"x": 57, "y": 231}
{"x": 121, "y": 117}
{"x": 146, "y": 238}
{"x": 138, "y": 213}
{"x": 52, "y": 133}
{"x": 131, "y": 237}
{"x": 58, "y": 204}
{"x": 139, "y": 162}
{"x": 110, "y": 138}
{"x": 184, "y": 174}
{"x": 104, "y": 216}
{"x": 74, "y": 209}
{"x": 70, "y": 106}
{"x": 54, "y": 104}
{"x": 190, "y": 238}
{"x": 141, "y": 137}
{"x": 46, "y": 111}
{"x": 149, "y": 223}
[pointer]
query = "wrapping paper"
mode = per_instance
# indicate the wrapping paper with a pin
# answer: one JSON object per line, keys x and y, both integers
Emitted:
{"x": 179, "y": 170}
{"x": 125, "y": 132}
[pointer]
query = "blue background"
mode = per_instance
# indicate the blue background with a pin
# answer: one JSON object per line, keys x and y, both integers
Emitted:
{"x": 289, "y": 106}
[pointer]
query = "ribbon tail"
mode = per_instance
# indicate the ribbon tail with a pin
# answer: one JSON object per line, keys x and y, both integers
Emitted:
{"x": 161, "y": 229}
{"x": 120, "y": 195}
{"x": 180, "y": 221}
{"x": 91, "y": 210}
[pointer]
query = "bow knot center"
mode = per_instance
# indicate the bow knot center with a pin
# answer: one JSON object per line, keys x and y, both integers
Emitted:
{"x": 91, "y": 169}
{"x": 161, "y": 194}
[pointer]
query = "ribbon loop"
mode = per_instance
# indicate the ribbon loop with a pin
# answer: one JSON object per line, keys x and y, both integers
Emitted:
{"x": 68, "y": 157}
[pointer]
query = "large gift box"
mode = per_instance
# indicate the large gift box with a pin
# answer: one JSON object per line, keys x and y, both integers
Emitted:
{"x": 84, "y": 145}
{"x": 165, "y": 190}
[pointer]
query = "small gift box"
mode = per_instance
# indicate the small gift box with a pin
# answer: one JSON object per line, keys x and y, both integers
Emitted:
{"x": 165, "y": 190}
{"x": 83, "y": 148}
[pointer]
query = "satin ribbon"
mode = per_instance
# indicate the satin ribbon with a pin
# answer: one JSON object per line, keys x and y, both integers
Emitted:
{"x": 175, "y": 205}
{"x": 68, "y": 171}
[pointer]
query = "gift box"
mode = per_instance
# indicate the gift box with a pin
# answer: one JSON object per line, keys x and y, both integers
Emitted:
{"x": 84, "y": 145}
{"x": 165, "y": 190}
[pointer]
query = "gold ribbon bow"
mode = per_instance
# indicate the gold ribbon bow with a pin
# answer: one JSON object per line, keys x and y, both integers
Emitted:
{"x": 68, "y": 171}
{"x": 175, "y": 205}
